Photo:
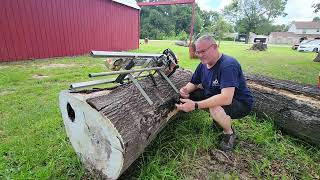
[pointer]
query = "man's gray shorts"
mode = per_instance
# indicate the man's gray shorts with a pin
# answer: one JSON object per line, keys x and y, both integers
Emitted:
{"x": 235, "y": 110}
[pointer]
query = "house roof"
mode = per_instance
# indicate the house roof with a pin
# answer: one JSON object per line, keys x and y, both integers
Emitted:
{"x": 130, "y": 3}
{"x": 283, "y": 34}
{"x": 307, "y": 24}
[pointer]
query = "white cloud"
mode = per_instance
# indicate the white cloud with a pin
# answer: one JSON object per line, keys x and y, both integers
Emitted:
{"x": 298, "y": 10}
{"x": 203, "y": 4}
{"x": 215, "y": 5}
{"x": 224, "y": 3}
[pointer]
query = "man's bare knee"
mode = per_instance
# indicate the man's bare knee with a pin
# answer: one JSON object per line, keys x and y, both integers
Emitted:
{"x": 217, "y": 112}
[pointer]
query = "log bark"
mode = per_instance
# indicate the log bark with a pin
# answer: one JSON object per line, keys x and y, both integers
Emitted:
{"x": 259, "y": 47}
{"x": 317, "y": 59}
{"x": 182, "y": 43}
{"x": 294, "y": 107}
{"x": 110, "y": 129}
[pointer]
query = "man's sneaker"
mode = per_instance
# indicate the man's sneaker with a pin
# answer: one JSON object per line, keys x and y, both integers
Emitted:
{"x": 228, "y": 142}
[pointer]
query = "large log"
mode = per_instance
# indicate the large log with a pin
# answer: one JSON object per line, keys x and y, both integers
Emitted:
{"x": 294, "y": 107}
{"x": 317, "y": 59}
{"x": 110, "y": 129}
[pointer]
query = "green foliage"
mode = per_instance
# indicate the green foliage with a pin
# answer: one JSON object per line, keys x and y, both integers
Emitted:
{"x": 251, "y": 14}
{"x": 266, "y": 27}
{"x": 316, "y": 19}
{"x": 162, "y": 22}
{"x": 34, "y": 144}
{"x": 182, "y": 36}
{"x": 316, "y": 7}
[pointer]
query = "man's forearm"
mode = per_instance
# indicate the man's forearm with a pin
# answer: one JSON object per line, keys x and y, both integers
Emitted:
{"x": 217, "y": 100}
{"x": 191, "y": 87}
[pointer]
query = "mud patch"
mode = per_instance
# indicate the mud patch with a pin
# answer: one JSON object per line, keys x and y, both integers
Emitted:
{"x": 47, "y": 66}
{"x": 39, "y": 76}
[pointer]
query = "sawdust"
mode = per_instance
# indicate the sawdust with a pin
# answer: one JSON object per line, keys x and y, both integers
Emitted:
{"x": 39, "y": 76}
{"x": 299, "y": 97}
{"x": 47, "y": 66}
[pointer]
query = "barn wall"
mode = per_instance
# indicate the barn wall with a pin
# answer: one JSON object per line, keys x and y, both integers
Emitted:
{"x": 35, "y": 29}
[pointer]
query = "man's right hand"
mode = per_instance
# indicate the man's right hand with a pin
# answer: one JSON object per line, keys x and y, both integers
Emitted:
{"x": 184, "y": 92}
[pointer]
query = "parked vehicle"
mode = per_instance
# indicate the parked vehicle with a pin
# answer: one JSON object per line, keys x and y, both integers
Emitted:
{"x": 310, "y": 46}
{"x": 295, "y": 46}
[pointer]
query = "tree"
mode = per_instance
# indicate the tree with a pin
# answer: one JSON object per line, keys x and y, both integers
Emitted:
{"x": 209, "y": 18}
{"x": 158, "y": 22}
{"x": 250, "y": 14}
{"x": 219, "y": 29}
{"x": 266, "y": 27}
{"x": 316, "y": 7}
{"x": 316, "y": 19}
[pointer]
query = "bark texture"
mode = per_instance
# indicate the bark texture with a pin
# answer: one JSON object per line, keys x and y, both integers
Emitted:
{"x": 294, "y": 107}
{"x": 110, "y": 129}
{"x": 259, "y": 47}
{"x": 317, "y": 59}
{"x": 126, "y": 112}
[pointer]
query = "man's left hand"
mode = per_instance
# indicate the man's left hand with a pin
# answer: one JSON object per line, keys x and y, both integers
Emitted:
{"x": 186, "y": 106}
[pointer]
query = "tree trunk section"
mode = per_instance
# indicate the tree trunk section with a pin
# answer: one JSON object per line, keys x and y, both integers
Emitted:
{"x": 110, "y": 129}
{"x": 317, "y": 59}
{"x": 294, "y": 107}
{"x": 259, "y": 47}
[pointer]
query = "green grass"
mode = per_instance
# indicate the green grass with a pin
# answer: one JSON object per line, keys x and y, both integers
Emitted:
{"x": 34, "y": 145}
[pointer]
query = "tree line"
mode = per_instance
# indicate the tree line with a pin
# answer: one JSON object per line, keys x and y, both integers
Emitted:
{"x": 242, "y": 16}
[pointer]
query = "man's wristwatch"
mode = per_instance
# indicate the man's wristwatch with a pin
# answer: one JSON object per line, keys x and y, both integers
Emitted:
{"x": 196, "y": 106}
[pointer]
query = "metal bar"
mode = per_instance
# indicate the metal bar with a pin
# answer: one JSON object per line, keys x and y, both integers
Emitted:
{"x": 169, "y": 81}
{"x": 124, "y": 71}
{"x": 90, "y": 83}
{"x": 103, "y": 54}
{"x": 144, "y": 94}
{"x": 146, "y": 63}
{"x": 98, "y": 82}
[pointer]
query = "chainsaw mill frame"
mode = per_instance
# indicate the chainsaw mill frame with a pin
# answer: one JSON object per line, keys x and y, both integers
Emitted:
{"x": 123, "y": 63}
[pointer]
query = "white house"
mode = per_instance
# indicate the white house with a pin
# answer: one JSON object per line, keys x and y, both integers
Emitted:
{"x": 301, "y": 27}
{"x": 298, "y": 31}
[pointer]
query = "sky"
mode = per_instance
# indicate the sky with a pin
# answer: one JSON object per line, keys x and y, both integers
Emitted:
{"x": 297, "y": 10}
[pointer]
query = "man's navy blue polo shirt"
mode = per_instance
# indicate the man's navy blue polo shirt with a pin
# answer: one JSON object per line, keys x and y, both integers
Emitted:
{"x": 225, "y": 73}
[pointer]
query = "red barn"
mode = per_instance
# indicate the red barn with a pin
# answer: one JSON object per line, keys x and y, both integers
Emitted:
{"x": 35, "y": 29}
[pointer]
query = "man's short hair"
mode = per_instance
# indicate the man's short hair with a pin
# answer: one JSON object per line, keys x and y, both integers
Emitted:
{"x": 206, "y": 37}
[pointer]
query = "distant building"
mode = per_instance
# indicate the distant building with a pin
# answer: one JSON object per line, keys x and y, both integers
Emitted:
{"x": 254, "y": 38}
{"x": 36, "y": 29}
{"x": 297, "y": 32}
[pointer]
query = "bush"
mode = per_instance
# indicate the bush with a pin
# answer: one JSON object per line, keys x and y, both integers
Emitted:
{"x": 182, "y": 36}
{"x": 227, "y": 39}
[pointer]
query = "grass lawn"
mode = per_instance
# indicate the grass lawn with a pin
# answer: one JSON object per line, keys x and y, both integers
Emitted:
{"x": 34, "y": 144}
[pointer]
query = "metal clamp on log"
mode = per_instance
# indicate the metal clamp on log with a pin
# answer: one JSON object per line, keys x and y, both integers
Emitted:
{"x": 132, "y": 66}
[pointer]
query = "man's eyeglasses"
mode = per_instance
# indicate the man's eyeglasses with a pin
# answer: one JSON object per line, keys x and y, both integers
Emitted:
{"x": 204, "y": 50}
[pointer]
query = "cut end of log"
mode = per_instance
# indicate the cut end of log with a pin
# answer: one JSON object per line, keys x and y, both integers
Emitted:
{"x": 109, "y": 130}
{"x": 93, "y": 137}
